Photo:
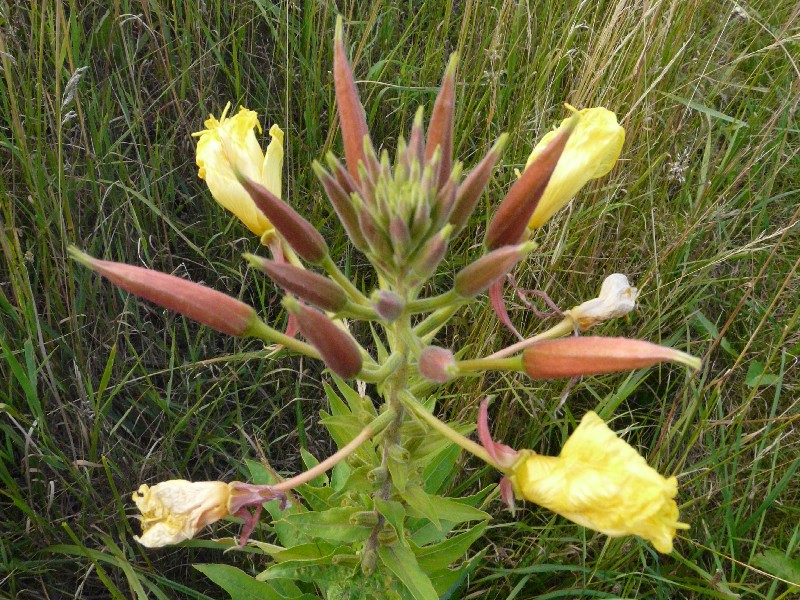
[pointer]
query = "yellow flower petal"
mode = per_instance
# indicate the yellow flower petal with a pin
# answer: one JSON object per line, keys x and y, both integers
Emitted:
{"x": 591, "y": 152}
{"x": 175, "y": 510}
{"x": 272, "y": 167}
{"x": 601, "y": 482}
{"x": 230, "y": 143}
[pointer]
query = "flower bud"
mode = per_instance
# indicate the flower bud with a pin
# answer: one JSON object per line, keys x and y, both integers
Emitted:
{"x": 301, "y": 235}
{"x": 353, "y": 123}
{"x": 378, "y": 475}
{"x": 471, "y": 188}
{"x": 617, "y": 298}
{"x": 311, "y": 287}
{"x": 388, "y": 305}
{"x": 364, "y": 518}
{"x": 338, "y": 349}
{"x": 432, "y": 253}
{"x": 594, "y": 355}
{"x": 437, "y": 364}
{"x": 509, "y": 222}
{"x": 440, "y": 128}
{"x": 399, "y": 454}
{"x": 375, "y": 236}
{"x": 342, "y": 204}
{"x": 387, "y": 536}
{"x": 475, "y": 278}
{"x": 198, "y": 302}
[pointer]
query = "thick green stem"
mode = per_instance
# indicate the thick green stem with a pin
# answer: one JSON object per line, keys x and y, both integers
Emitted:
{"x": 436, "y": 302}
{"x": 340, "y": 278}
{"x": 394, "y": 362}
{"x": 261, "y": 330}
{"x": 490, "y": 364}
{"x": 358, "y": 311}
{"x": 430, "y": 325}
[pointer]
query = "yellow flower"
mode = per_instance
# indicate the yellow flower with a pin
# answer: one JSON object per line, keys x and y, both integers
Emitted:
{"x": 602, "y": 483}
{"x": 229, "y": 144}
{"x": 174, "y": 511}
{"x": 591, "y": 152}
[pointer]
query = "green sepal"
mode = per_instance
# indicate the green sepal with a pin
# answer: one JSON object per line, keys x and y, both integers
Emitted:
{"x": 395, "y": 515}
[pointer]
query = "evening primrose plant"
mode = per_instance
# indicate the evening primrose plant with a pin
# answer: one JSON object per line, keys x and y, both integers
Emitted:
{"x": 378, "y": 524}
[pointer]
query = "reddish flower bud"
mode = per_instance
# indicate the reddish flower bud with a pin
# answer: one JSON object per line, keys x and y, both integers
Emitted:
{"x": 342, "y": 204}
{"x": 415, "y": 152}
{"x": 471, "y": 188}
{"x": 431, "y": 253}
{"x": 338, "y": 349}
{"x": 437, "y": 364}
{"x": 475, "y": 278}
{"x": 311, "y": 287}
{"x": 352, "y": 121}
{"x": 440, "y": 128}
{"x": 301, "y": 235}
{"x": 595, "y": 355}
{"x": 388, "y": 305}
{"x": 198, "y": 302}
{"x": 512, "y": 217}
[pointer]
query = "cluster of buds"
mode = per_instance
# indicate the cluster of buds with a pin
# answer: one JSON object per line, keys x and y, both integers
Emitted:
{"x": 401, "y": 216}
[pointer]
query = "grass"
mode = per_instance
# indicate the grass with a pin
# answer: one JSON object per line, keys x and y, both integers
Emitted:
{"x": 100, "y": 391}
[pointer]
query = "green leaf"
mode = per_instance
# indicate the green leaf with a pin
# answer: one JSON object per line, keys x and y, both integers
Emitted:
{"x": 357, "y": 480}
{"x": 318, "y": 498}
{"x": 419, "y": 502}
{"x": 694, "y": 105}
{"x": 449, "y": 509}
{"x": 306, "y": 552}
{"x": 395, "y": 515}
{"x": 402, "y": 562}
{"x": 240, "y": 585}
{"x": 701, "y": 322}
{"x": 440, "y": 469}
{"x": 757, "y": 378}
{"x": 442, "y": 555}
{"x": 449, "y": 582}
{"x": 338, "y": 407}
{"x": 310, "y": 461}
{"x": 331, "y": 525}
{"x": 399, "y": 473}
{"x": 314, "y": 570}
{"x": 339, "y": 476}
{"x": 775, "y": 562}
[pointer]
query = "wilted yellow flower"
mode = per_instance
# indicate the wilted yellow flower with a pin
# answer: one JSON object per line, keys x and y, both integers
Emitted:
{"x": 174, "y": 511}
{"x": 591, "y": 152}
{"x": 601, "y": 482}
{"x": 230, "y": 143}
{"x": 617, "y": 298}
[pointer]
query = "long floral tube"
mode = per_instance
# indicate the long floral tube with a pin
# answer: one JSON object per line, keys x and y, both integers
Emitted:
{"x": 419, "y": 411}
